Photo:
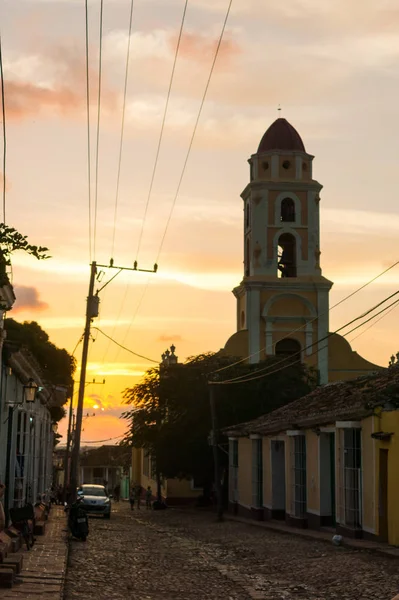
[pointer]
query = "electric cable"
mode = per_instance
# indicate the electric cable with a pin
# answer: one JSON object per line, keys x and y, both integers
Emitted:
{"x": 88, "y": 123}
{"x": 3, "y": 105}
{"x": 98, "y": 127}
{"x": 162, "y": 129}
{"x": 249, "y": 376}
{"x": 372, "y": 325}
{"x": 124, "y": 347}
{"x": 122, "y": 126}
{"x": 311, "y": 320}
{"x": 106, "y": 440}
{"x": 194, "y": 131}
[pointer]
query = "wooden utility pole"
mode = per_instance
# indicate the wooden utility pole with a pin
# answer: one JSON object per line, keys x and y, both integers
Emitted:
{"x": 216, "y": 463}
{"x": 91, "y": 312}
{"x": 92, "y": 305}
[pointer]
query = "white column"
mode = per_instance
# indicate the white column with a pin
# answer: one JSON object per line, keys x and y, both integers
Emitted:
{"x": 322, "y": 332}
{"x": 269, "y": 337}
{"x": 298, "y": 167}
{"x": 253, "y": 324}
{"x": 275, "y": 166}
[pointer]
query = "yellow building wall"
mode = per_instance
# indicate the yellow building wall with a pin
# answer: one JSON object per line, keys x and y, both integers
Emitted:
{"x": 245, "y": 472}
{"x": 182, "y": 488}
{"x": 267, "y": 472}
{"x": 312, "y": 472}
{"x": 389, "y": 422}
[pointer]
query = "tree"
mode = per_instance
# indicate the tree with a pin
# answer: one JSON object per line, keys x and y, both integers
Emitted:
{"x": 56, "y": 364}
{"x": 11, "y": 240}
{"x": 170, "y": 415}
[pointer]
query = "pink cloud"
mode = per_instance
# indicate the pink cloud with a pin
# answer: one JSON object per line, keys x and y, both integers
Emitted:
{"x": 27, "y": 300}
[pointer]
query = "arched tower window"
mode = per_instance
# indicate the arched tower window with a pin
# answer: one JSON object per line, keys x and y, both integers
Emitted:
{"x": 289, "y": 347}
{"x": 288, "y": 210}
{"x": 287, "y": 255}
{"x": 247, "y": 215}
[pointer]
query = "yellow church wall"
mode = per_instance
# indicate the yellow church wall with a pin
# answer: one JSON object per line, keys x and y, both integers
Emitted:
{"x": 344, "y": 363}
{"x": 303, "y": 234}
{"x": 312, "y": 472}
{"x": 245, "y": 472}
{"x": 290, "y": 172}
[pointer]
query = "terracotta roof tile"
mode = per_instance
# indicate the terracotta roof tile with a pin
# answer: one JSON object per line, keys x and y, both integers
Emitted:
{"x": 343, "y": 400}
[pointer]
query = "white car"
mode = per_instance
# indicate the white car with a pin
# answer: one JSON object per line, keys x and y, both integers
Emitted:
{"x": 95, "y": 499}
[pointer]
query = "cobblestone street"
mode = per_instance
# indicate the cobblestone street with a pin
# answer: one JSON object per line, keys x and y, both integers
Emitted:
{"x": 178, "y": 555}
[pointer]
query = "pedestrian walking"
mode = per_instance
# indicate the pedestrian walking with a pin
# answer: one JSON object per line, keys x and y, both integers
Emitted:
{"x": 148, "y": 496}
{"x": 138, "y": 495}
{"x": 132, "y": 497}
{"x": 117, "y": 492}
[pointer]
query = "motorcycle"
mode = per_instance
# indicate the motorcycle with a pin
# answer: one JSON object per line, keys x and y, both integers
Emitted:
{"x": 78, "y": 522}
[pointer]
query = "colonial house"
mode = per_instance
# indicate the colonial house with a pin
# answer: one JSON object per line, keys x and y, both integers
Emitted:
{"x": 175, "y": 491}
{"x": 26, "y": 427}
{"x": 327, "y": 459}
{"x": 106, "y": 465}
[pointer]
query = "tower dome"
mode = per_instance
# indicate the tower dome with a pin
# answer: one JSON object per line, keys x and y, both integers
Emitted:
{"x": 281, "y": 135}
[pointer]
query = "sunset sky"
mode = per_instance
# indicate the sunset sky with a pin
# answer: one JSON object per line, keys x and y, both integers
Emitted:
{"x": 333, "y": 67}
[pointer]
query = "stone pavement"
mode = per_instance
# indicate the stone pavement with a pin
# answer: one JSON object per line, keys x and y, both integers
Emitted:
{"x": 186, "y": 555}
{"x": 321, "y": 535}
{"x": 44, "y": 566}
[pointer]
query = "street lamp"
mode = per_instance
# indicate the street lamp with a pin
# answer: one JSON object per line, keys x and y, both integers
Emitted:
{"x": 54, "y": 427}
{"x": 30, "y": 390}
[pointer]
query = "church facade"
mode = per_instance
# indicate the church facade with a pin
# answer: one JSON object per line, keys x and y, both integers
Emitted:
{"x": 283, "y": 298}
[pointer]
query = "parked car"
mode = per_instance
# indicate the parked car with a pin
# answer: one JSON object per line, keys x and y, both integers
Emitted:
{"x": 95, "y": 499}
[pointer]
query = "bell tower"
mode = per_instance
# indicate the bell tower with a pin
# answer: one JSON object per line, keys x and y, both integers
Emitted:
{"x": 283, "y": 299}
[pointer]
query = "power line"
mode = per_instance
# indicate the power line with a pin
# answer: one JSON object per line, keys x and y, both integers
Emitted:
{"x": 311, "y": 320}
{"x": 3, "y": 104}
{"x": 372, "y": 325}
{"x": 194, "y": 130}
{"x": 122, "y": 126}
{"x": 98, "y": 126}
{"x": 162, "y": 129}
{"x": 107, "y": 440}
{"x": 77, "y": 344}
{"x": 295, "y": 361}
{"x": 88, "y": 120}
{"x": 124, "y": 347}
{"x": 283, "y": 360}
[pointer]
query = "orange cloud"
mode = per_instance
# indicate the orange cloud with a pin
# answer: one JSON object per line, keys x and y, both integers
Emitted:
{"x": 55, "y": 80}
{"x": 201, "y": 48}
{"x": 170, "y": 338}
{"x": 28, "y": 300}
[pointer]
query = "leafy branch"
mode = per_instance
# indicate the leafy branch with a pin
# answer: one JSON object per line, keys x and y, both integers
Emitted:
{"x": 11, "y": 241}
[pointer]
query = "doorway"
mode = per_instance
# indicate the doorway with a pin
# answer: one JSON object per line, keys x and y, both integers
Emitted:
{"x": 327, "y": 479}
{"x": 278, "y": 479}
{"x": 383, "y": 496}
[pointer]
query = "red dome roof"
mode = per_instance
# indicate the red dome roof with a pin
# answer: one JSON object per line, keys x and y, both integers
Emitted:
{"x": 281, "y": 136}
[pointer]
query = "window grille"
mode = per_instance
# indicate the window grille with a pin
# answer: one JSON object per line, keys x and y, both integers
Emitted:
{"x": 146, "y": 464}
{"x": 20, "y": 462}
{"x": 351, "y": 478}
{"x": 257, "y": 474}
{"x": 233, "y": 465}
{"x": 298, "y": 464}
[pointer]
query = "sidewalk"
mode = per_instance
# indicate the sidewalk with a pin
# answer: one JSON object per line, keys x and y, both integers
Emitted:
{"x": 44, "y": 566}
{"x": 322, "y": 535}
